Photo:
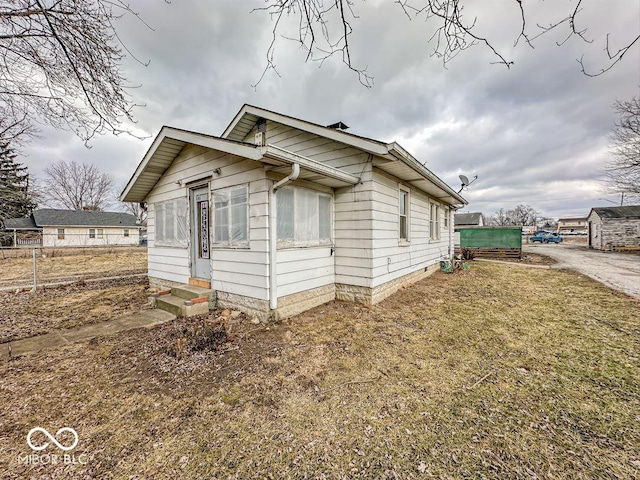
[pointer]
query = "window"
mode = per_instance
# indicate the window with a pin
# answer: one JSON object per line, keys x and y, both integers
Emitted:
{"x": 171, "y": 223}
{"x": 403, "y": 207}
{"x": 92, "y": 233}
{"x": 100, "y": 233}
{"x": 231, "y": 216}
{"x": 304, "y": 217}
{"x": 446, "y": 218}
{"x": 125, "y": 232}
{"x": 434, "y": 222}
{"x": 61, "y": 234}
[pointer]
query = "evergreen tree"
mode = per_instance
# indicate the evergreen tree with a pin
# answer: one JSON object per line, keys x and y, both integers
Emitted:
{"x": 16, "y": 199}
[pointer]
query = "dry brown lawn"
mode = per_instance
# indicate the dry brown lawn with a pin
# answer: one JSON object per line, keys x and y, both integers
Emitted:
{"x": 62, "y": 265}
{"x": 499, "y": 371}
{"x": 24, "y": 314}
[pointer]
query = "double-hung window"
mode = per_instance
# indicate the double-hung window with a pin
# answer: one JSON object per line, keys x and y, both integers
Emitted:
{"x": 92, "y": 233}
{"x": 231, "y": 216}
{"x": 434, "y": 222}
{"x": 403, "y": 209}
{"x": 303, "y": 217}
{"x": 61, "y": 234}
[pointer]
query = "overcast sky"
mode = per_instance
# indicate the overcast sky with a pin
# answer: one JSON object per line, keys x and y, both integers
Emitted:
{"x": 534, "y": 134}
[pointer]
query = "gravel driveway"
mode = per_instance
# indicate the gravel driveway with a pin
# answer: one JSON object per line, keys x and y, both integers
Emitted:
{"x": 619, "y": 271}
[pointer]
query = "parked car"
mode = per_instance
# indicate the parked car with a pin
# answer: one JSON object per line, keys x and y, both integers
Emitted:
{"x": 545, "y": 237}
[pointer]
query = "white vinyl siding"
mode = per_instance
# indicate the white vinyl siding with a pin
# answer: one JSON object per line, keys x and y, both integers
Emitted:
{"x": 231, "y": 217}
{"x": 237, "y": 271}
{"x": 391, "y": 260}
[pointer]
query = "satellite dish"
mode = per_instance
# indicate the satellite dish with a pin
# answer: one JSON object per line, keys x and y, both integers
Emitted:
{"x": 465, "y": 181}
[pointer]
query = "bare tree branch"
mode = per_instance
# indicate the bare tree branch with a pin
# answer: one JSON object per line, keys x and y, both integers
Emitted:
{"x": 60, "y": 64}
{"x": 623, "y": 170}
{"x": 320, "y": 38}
{"x": 77, "y": 186}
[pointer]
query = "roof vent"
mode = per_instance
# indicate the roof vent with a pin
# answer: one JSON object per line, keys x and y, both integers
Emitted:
{"x": 338, "y": 126}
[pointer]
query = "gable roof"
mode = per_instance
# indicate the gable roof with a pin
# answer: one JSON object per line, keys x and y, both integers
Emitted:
{"x": 50, "y": 217}
{"x": 390, "y": 157}
{"x": 20, "y": 224}
{"x": 467, "y": 218}
{"x": 631, "y": 211}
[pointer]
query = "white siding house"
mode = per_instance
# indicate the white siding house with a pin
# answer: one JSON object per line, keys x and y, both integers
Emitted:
{"x": 77, "y": 228}
{"x": 279, "y": 215}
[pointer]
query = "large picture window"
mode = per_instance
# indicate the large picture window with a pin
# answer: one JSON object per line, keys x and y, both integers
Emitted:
{"x": 304, "y": 217}
{"x": 231, "y": 216}
{"x": 171, "y": 223}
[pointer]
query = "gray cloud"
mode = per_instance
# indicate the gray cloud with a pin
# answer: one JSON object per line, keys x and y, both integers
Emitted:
{"x": 534, "y": 134}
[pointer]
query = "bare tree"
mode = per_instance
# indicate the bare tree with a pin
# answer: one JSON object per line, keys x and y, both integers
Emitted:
{"x": 60, "y": 65}
{"x": 523, "y": 215}
{"x": 324, "y": 28}
{"x": 623, "y": 171}
{"x": 499, "y": 218}
{"x": 77, "y": 186}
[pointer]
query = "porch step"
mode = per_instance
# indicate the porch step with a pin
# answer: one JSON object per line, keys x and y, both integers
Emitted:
{"x": 181, "y": 307}
{"x": 191, "y": 291}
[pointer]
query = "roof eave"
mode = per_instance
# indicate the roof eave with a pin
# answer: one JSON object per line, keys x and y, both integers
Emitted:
{"x": 401, "y": 154}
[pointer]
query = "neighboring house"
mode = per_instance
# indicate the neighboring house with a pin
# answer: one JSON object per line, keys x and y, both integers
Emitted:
{"x": 610, "y": 227}
{"x": 462, "y": 220}
{"x": 572, "y": 225}
{"x": 474, "y": 219}
{"x": 74, "y": 228}
{"x": 279, "y": 214}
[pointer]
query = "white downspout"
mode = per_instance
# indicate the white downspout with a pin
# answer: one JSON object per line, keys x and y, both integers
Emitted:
{"x": 273, "y": 235}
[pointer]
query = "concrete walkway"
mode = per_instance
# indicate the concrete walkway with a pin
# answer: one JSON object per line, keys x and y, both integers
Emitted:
{"x": 144, "y": 318}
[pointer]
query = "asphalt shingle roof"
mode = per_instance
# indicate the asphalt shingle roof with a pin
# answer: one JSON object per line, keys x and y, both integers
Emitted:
{"x": 467, "y": 218}
{"x": 19, "y": 224}
{"x": 631, "y": 211}
{"x": 82, "y": 218}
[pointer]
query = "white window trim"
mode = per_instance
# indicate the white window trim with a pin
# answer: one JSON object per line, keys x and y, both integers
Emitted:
{"x": 434, "y": 221}
{"x": 92, "y": 233}
{"x": 290, "y": 244}
{"x": 229, "y": 244}
{"x": 407, "y": 240}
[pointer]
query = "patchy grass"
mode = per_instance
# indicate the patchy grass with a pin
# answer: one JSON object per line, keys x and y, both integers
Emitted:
{"x": 495, "y": 372}
{"x": 60, "y": 267}
{"x": 25, "y": 314}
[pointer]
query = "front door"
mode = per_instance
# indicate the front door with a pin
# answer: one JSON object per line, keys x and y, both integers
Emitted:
{"x": 200, "y": 247}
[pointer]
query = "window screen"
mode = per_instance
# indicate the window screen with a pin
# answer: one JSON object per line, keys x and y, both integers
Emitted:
{"x": 171, "y": 223}
{"x": 303, "y": 217}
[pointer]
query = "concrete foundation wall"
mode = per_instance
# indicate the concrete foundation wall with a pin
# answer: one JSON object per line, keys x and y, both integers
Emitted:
{"x": 371, "y": 296}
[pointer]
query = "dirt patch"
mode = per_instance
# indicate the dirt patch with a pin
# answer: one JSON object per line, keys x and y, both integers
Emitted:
{"x": 24, "y": 314}
{"x": 493, "y": 372}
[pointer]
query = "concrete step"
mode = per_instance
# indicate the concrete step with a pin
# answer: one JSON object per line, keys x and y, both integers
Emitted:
{"x": 191, "y": 291}
{"x": 181, "y": 307}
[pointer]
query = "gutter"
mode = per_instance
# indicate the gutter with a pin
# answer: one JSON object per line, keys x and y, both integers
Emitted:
{"x": 273, "y": 235}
